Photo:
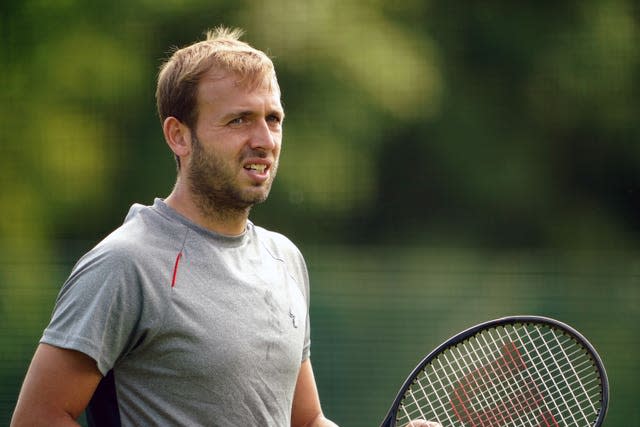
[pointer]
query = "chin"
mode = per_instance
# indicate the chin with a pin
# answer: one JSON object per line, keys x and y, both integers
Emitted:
{"x": 258, "y": 195}
{"x": 259, "y": 199}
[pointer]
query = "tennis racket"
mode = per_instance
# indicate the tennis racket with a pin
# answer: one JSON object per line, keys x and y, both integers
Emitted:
{"x": 519, "y": 371}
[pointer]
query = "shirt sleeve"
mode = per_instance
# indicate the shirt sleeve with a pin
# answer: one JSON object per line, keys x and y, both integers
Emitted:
{"x": 98, "y": 308}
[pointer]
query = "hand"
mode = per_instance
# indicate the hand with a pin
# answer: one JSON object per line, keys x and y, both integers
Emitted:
{"x": 423, "y": 423}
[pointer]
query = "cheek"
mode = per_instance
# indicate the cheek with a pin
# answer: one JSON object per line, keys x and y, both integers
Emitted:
{"x": 278, "y": 143}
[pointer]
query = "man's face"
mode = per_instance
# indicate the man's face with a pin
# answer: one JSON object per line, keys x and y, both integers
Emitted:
{"x": 236, "y": 144}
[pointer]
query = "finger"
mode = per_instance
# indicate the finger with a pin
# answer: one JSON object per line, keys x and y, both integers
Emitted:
{"x": 423, "y": 423}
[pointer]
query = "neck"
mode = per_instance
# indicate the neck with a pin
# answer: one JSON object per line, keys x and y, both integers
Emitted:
{"x": 228, "y": 222}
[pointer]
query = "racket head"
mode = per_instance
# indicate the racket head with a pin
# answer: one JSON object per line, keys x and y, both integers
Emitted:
{"x": 455, "y": 377}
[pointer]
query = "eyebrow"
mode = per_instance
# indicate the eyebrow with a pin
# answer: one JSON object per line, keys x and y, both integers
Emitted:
{"x": 248, "y": 113}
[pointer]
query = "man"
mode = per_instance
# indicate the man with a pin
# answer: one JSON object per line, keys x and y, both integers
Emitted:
{"x": 188, "y": 314}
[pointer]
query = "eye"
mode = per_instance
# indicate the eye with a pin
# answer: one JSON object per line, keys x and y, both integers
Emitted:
{"x": 238, "y": 120}
{"x": 274, "y": 118}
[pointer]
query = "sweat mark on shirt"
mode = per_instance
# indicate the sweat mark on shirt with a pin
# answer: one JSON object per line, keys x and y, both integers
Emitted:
{"x": 275, "y": 321}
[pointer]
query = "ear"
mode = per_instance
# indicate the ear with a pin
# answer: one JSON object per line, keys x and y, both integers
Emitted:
{"x": 178, "y": 136}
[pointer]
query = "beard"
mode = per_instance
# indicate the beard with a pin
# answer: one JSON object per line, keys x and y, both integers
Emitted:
{"x": 215, "y": 186}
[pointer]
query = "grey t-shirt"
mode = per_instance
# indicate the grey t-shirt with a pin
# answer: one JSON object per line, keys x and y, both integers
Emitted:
{"x": 193, "y": 328}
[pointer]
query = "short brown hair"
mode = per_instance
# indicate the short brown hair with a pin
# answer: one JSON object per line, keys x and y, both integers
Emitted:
{"x": 179, "y": 76}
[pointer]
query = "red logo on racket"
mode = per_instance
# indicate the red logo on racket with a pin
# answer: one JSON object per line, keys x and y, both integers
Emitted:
{"x": 511, "y": 399}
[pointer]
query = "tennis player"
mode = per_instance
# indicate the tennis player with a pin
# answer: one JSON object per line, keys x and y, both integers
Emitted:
{"x": 189, "y": 314}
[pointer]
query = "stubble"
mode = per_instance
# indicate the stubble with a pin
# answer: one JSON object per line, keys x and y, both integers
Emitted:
{"x": 215, "y": 188}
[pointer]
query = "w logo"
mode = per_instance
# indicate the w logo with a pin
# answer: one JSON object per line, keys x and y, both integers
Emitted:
{"x": 500, "y": 382}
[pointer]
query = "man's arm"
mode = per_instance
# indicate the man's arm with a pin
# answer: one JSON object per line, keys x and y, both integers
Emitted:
{"x": 56, "y": 389}
{"x": 306, "y": 411}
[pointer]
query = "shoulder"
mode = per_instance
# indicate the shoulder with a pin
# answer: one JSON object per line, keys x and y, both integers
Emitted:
{"x": 143, "y": 244}
{"x": 279, "y": 245}
{"x": 145, "y": 230}
{"x": 283, "y": 249}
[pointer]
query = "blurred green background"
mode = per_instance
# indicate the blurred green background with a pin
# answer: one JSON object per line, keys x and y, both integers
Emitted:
{"x": 444, "y": 163}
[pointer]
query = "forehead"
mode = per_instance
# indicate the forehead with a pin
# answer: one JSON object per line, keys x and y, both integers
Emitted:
{"x": 220, "y": 89}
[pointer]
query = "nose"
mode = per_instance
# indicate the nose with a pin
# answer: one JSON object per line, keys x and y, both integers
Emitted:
{"x": 263, "y": 137}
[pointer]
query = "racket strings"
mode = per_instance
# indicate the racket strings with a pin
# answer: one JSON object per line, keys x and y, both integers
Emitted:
{"x": 517, "y": 404}
{"x": 475, "y": 382}
{"x": 508, "y": 401}
{"x": 542, "y": 365}
{"x": 504, "y": 377}
{"x": 571, "y": 383}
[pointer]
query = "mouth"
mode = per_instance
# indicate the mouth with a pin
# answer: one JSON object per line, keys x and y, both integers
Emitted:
{"x": 258, "y": 171}
{"x": 260, "y": 168}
